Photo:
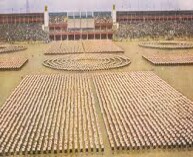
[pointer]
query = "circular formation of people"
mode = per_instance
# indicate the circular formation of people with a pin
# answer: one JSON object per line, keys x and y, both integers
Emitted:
{"x": 87, "y": 62}
{"x": 11, "y": 48}
{"x": 167, "y": 45}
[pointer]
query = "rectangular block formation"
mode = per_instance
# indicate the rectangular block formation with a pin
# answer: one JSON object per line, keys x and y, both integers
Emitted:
{"x": 54, "y": 113}
{"x": 12, "y": 63}
{"x": 101, "y": 46}
{"x": 87, "y": 46}
{"x": 65, "y": 47}
{"x": 170, "y": 59}
{"x": 142, "y": 111}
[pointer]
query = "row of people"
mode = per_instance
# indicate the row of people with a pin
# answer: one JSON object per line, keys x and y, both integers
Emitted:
{"x": 100, "y": 46}
{"x": 10, "y": 63}
{"x": 169, "y": 59}
{"x": 87, "y": 46}
{"x": 11, "y": 48}
{"x": 142, "y": 111}
{"x": 167, "y": 45}
{"x": 50, "y": 114}
{"x": 65, "y": 47}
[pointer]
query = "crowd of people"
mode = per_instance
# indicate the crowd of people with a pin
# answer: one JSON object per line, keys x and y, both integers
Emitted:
{"x": 11, "y": 48}
{"x": 154, "y": 29}
{"x": 170, "y": 59}
{"x": 126, "y": 30}
{"x": 141, "y": 111}
{"x": 103, "y": 19}
{"x": 23, "y": 32}
{"x": 33, "y": 126}
{"x": 12, "y": 63}
{"x": 63, "y": 19}
{"x": 58, "y": 19}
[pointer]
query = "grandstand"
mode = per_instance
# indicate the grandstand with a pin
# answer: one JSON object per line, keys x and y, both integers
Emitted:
{"x": 154, "y": 24}
{"x": 81, "y": 25}
{"x": 99, "y": 25}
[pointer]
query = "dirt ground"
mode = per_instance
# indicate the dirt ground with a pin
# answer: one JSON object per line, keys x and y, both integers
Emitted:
{"x": 180, "y": 77}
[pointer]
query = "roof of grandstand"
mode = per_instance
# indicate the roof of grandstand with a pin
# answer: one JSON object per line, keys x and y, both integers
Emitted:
{"x": 169, "y": 12}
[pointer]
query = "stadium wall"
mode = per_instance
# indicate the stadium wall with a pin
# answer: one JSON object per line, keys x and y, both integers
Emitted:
{"x": 22, "y": 18}
{"x": 123, "y": 16}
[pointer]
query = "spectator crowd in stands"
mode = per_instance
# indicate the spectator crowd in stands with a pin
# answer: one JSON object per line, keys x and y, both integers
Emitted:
{"x": 126, "y": 30}
{"x": 154, "y": 29}
{"x": 23, "y": 32}
{"x": 63, "y": 18}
